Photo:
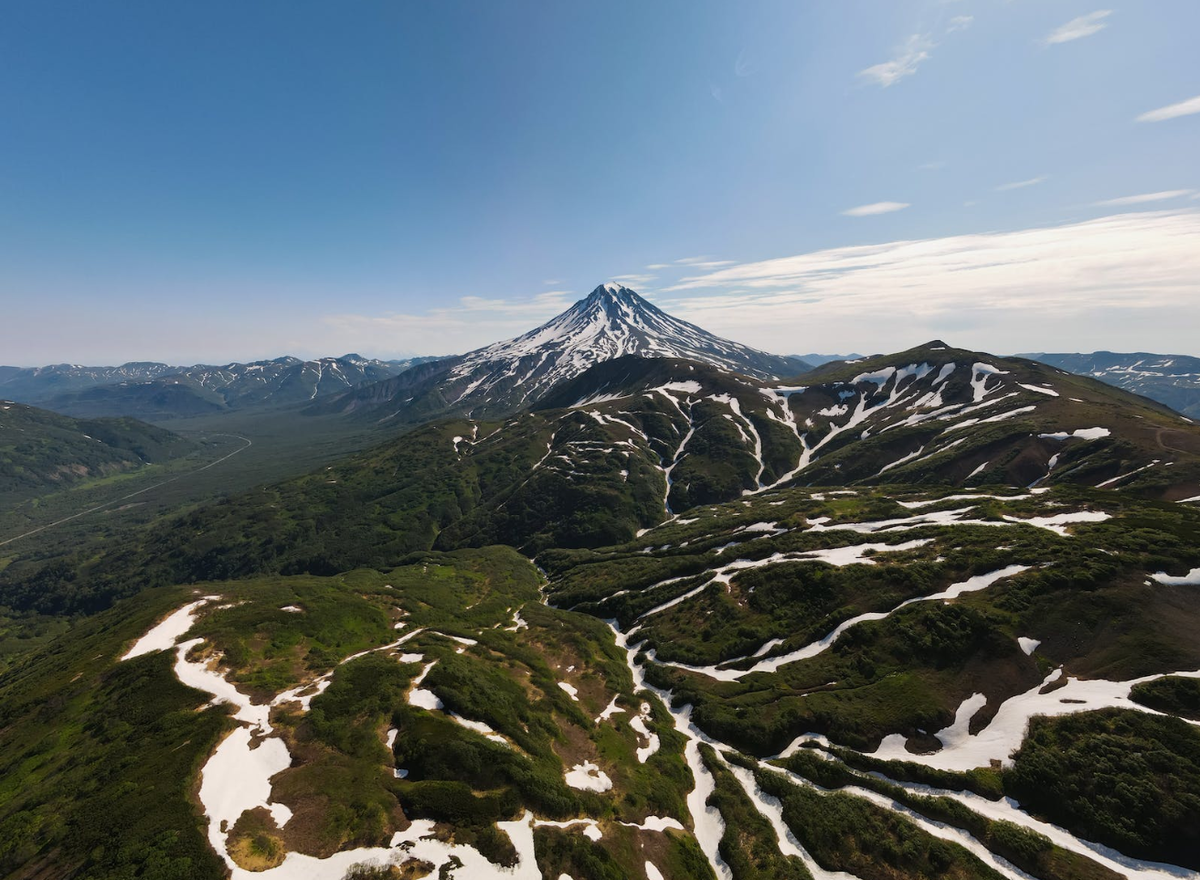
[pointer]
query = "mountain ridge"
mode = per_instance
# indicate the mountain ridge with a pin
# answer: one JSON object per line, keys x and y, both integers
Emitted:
{"x": 154, "y": 390}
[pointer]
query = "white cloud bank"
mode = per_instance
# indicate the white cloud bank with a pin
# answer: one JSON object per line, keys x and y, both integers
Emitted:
{"x": 1076, "y": 28}
{"x": 1123, "y": 282}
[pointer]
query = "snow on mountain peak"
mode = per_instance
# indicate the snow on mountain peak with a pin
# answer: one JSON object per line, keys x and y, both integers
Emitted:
{"x": 611, "y": 322}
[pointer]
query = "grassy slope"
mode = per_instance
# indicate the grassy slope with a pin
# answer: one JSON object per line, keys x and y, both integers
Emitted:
{"x": 1123, "y": 778}
{"x": 97, "y": 760}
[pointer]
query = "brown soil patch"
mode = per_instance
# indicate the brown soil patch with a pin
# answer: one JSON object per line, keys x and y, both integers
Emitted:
{"x": 414, "y": 869}
{"x": 577, "y": 748}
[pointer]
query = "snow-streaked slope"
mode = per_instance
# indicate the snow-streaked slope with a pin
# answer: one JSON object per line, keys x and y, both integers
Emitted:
{"x": 936, "y": 414}
{"x": 1172, "y": 379}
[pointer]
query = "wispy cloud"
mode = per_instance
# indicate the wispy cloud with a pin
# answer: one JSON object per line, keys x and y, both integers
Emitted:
{"x": 1143, "y": 198}
{"x": 1021, "y": 184}
{"x": 654, "y": 267}
{"x": 703, "y": 262}
{"x": 633, "y": 279}
{"x": 932, "y": 166}
{"x": 472, "y": 322}
{"x": 1077, "y": 28}
{"x": 906, "y": 62}
{"x": 959, "y": 23}
{"x": 1089, "y": 285}
{"x": 875, "y": 208}
{"x": 1171, "y": 111}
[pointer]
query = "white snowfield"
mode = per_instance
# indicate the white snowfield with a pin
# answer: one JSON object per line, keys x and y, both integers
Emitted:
{"x": 639, "y": 725}
{"x": 1192, "y": 578}
{"x": 164, "y": 635}
{"x": 588, "y": 777}
{"x": 1027, "y": 644}
{"x": 1079, "y": 433}
{"x": 1004, "y": 733}
{"x": 1050, "y": 392}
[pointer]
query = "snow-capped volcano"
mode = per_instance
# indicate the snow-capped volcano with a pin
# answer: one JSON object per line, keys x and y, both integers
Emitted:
{"x": 611, "y": 322}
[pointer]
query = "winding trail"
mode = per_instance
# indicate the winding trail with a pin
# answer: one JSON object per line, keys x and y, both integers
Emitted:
{"x": 65, "y": 519}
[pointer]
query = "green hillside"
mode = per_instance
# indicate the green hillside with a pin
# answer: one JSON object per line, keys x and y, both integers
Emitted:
{"x": 41, "y": 450}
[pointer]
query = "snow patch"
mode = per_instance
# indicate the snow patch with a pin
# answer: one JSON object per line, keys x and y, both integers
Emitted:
{"x": 588, "y": 777}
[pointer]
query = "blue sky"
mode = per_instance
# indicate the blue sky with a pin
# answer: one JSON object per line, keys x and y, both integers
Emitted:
{"x": 220, "y": 181}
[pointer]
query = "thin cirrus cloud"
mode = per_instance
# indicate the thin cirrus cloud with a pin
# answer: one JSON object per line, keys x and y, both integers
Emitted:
{"x": 875, "y": 208}
{"x": 703, "y": 263}
{"x": 959, "y": 23}
{"x": 635, "y": 279}
{"x": 1083, "y": 285}
{"x": 907, "y": 60}
{"x": 1021, "y": 184}
{"x": 471, "y": 323}
{"x": 1077, "y": 28}
{"x": 1144, "y": 198}
{"x": 1172, "y": 111}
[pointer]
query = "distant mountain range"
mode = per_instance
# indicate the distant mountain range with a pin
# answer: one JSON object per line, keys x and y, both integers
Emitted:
{"x": 610, "y": 323}
{"x": 158, "y": 391}
{"x": 1173, "y": 379}
{"x": 818, "y": 360}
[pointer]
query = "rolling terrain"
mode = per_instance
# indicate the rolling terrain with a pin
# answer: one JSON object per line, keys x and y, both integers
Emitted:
{"x": 928, "y": 614}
